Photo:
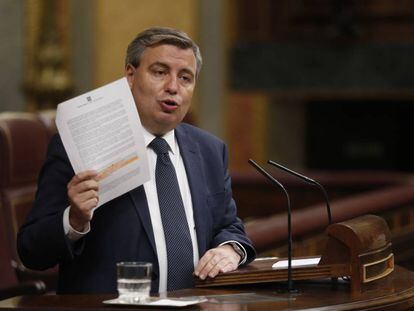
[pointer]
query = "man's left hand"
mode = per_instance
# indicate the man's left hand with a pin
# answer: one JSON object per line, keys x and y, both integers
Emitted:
{"x": 220, "y": 259}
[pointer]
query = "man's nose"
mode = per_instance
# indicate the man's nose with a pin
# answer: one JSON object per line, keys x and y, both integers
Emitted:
{"x": 171, "y": 85}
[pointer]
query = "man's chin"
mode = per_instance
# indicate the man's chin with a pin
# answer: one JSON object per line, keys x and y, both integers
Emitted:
{"x": 164, "y": 126}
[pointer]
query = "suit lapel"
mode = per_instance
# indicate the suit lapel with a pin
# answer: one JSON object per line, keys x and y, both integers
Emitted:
{"x": 191, "y": 156}
{"x": 141, "y": 205}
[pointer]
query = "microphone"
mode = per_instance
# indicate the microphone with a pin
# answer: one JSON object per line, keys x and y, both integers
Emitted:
{"x": 308, "y": 180}
{"x": 278, "y": 184}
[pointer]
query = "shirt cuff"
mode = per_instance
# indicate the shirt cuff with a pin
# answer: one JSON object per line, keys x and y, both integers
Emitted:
{"x": 70, "y": 233}
{"x": 244, "y": 257}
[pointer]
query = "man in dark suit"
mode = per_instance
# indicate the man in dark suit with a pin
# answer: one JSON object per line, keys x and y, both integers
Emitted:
{"x": 64, "y": 228}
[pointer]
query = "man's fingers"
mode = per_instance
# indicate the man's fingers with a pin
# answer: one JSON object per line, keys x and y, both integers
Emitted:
{"x": 209, "y": 264}
{"x": 82, "y": 192}
{"x": 230, "y": 266}
{"x": 216, "y": 260}
{"x": 78, "y": 189}
{"x": 83, "y": 198}
{"x": 86, "y": 185}
{"x": 80, "y": 199}
{"x": 215, "y": 267}
{"x": 85, "y": 175}
{"x": 202, "y": 263}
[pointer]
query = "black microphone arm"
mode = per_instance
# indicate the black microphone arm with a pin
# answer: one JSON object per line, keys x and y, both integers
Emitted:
{"x": 278, "y": 184}
{"x": 308, "y": 180}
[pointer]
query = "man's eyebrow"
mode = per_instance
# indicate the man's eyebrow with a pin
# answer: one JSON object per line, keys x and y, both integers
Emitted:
{"x": 160, "y": 64}
{"x": 164, "y": 65}
{"x": 188, "y": 71}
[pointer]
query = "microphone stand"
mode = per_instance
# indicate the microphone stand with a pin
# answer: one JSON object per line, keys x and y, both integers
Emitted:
{"x": 310, "y": 181}
{"x": 277, "y": 183}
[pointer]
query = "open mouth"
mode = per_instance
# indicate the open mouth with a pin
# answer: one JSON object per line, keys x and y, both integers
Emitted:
{"x": 169, "y": 105}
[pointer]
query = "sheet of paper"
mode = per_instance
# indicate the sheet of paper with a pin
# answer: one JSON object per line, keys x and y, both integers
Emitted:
{"x": 159, "y": 302}
{"x": 175, "y": 302}
{"x": 101, "y": 130}
{"x": 306, "y": 262}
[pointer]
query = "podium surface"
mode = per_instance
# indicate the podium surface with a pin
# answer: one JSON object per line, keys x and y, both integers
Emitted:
{"x": 395, "y": 292}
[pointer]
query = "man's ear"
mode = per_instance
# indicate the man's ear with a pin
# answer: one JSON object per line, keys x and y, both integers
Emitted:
{"x": 129, "y": 74}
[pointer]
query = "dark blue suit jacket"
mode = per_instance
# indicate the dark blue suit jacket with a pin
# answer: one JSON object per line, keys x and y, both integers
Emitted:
{"x": 121, "y": 229}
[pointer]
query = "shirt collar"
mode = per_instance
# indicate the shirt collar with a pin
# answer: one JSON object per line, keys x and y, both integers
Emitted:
{"x": 169, "y": 137}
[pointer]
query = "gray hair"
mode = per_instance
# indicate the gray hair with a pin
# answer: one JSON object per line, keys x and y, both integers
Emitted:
{"x": 160, "y": 35}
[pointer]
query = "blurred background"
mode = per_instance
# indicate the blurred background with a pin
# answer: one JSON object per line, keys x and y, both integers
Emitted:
{"x": 320, "y": 84}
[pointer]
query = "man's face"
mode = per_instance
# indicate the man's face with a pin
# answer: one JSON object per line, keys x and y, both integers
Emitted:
{"x": 162, "y": 86}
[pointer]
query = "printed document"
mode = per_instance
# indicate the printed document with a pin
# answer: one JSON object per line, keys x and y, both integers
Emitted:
{"x": 101, "y": 130}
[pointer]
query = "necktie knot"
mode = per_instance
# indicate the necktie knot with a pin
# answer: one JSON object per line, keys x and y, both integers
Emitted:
{"x": 159, "y": 145}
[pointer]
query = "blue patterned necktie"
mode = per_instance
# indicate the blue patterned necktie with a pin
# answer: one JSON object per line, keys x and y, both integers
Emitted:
{"x": 174, "y": 221}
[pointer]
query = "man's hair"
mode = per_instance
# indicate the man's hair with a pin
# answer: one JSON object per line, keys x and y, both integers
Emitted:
{"x": 160, "y": 35}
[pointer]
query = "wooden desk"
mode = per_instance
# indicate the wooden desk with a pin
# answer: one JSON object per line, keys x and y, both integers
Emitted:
{"x": 394, "y": 293}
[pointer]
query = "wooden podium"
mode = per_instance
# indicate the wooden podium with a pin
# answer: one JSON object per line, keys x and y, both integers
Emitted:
{"x": 358, "y": 249}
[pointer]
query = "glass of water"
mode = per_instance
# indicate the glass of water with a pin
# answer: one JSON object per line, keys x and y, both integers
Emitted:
{"x": 134, "y": 281}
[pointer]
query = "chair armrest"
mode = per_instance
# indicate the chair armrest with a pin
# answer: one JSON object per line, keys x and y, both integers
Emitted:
{"x": 26, "y": 288}
{"x": 48, "y": 277}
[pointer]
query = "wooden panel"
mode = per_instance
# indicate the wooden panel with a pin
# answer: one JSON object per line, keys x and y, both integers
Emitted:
{"x": 379, "y": 20}
{"x": 117, "y": 23}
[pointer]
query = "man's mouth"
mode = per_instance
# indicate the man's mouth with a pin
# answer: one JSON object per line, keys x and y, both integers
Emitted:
{"x": 168, "y": 105}
{"x": 170, "y": 102}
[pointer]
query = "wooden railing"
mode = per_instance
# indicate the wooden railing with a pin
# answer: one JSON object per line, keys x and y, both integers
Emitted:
{"x": 394, "y": 203}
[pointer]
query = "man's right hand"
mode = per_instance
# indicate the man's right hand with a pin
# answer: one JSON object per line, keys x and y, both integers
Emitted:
{"x": 83, "y": 198}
